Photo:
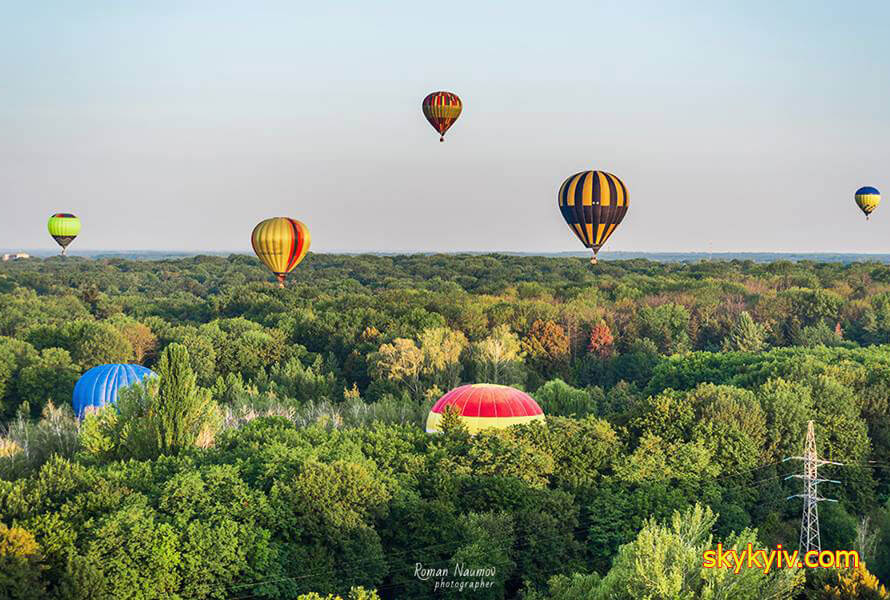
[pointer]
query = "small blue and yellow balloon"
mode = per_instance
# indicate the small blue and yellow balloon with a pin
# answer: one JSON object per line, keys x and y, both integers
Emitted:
{"x": 867, "y": 199}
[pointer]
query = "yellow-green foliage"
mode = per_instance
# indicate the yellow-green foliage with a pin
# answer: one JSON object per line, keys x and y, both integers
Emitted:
{"x": 856, "y": 584}
{"x": 21, "y": 565}
{"x": 356, "y": 593}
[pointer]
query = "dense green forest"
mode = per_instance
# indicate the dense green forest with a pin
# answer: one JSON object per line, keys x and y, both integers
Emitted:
{"x": 281, "y": 451}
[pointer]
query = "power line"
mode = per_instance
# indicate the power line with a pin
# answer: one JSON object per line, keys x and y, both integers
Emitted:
{"x": 810, "y": 538}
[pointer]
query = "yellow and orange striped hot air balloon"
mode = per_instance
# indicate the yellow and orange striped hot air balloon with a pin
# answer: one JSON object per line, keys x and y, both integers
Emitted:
{"x": 441, "y": 109}
{"x": 281, "y": 243}
{"x": 485, "y": 405}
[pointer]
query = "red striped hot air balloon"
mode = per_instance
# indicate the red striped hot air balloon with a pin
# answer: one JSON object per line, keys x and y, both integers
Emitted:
{"x": 485, "y": 405}
{"x": 441, "y": 109}
{"x": 281, "y": 243}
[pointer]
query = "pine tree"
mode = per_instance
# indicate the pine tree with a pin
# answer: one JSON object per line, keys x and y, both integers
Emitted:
{"x": 746, "y": 335}
{"x": 167, "y": 413}
{"x": 182, "y": 410}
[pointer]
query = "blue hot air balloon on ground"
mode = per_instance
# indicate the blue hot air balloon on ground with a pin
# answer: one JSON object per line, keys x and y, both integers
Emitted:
{"x": 99, "y": 386}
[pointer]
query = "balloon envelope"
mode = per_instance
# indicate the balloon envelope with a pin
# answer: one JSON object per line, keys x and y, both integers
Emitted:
{"x": 64, "y": 227}
{"x": 100, "y": 385}
{"x": 281, "y": 243}
{"x": 867, "y": 199}
{"x": 593, "y": 204}
{"x": 441, "y": 109}
{"x": 486, "y": 405}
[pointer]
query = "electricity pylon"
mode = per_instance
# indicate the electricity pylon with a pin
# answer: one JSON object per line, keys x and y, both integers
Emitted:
{"x": 809, "y": 521}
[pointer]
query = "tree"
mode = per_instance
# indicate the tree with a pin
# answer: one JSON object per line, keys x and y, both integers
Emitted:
{"x": 669, "y": 415}
{"x": 141, "y": 338}
{"x": 162, "y": 415}
{"x": 442, "y": 349}
{"x": 355, "y": 593}
{"x": 855, "y": 584}
{"x": 90, "y": 343}
{"x": 305, "y": 384}
{"x": 577, "y": 586}
{"x": 556, "y": 397}
{"x": 820, "y": 334}
{"x": 503, "y": 453}
{"x": 601, "y": 340}
{"x": 583, "y": 449}
{"x": 730, "y": 423}
{"x": 666, "y": 561}
{"x": 787, "y": 406}
{"x": 637, "y": 364}
{"x": 49, "y": 379}
{"x": 21, "y": 565}
{"x": 498, "y": 358}
{"x": 655, "y": 459}
{"x": 489, "y": 540}
{"x": 202, "y": 355}
{"x": 811, "y": 306}
{"x": 400, "y": 361}
{"x": 125, "y": 550}
{"x": 15, "y": 355}
{"x": 324, "y": 514}
{"x": 746, "y": 335}
{"x": 667, "y": 325}
{"x": 547, "y": 347}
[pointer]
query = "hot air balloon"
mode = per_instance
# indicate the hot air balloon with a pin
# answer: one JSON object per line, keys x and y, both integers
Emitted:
{"x": 441, "y": 109}
{"x": 867, "y": 199}
{"x": 593, "y": 203}
{"x": 64, "y": 227}
{"x": 281, "y": 243}
{"x": 485, "y": 405}
{"x": 100, "y": 385}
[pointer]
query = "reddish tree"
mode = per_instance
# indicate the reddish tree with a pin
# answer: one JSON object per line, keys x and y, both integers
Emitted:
{"x": 601, "y": 340}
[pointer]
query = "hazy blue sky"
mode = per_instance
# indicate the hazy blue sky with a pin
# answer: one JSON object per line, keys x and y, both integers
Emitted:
{"x": 179, "y": 125}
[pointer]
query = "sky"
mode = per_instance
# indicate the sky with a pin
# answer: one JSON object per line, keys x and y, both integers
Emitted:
{"x": 178, "y": 125}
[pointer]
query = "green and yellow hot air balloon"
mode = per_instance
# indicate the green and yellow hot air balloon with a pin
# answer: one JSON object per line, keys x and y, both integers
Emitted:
{"x": 64, "y": 227}
{"x": 867, "y": 199}
{"x": 281, "y": 243}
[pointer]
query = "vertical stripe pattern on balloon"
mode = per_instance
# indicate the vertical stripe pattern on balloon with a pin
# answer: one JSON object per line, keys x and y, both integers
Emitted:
{"x": 441, "y": 109}
{"x": 593, "y": 204}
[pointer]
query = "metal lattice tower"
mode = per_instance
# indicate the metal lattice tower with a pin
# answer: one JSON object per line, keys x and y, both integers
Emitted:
{"x": 809, "y": 521}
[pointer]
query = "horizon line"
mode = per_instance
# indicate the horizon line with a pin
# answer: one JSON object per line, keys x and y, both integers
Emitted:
{"x": 72, "y": 252}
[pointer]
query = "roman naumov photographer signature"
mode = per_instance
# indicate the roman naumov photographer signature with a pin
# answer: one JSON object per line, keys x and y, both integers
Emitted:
{"x": 460, "y": 577}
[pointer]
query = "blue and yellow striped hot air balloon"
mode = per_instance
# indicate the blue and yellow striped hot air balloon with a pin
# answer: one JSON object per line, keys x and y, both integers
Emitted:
{"x": 867, "y": 199}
